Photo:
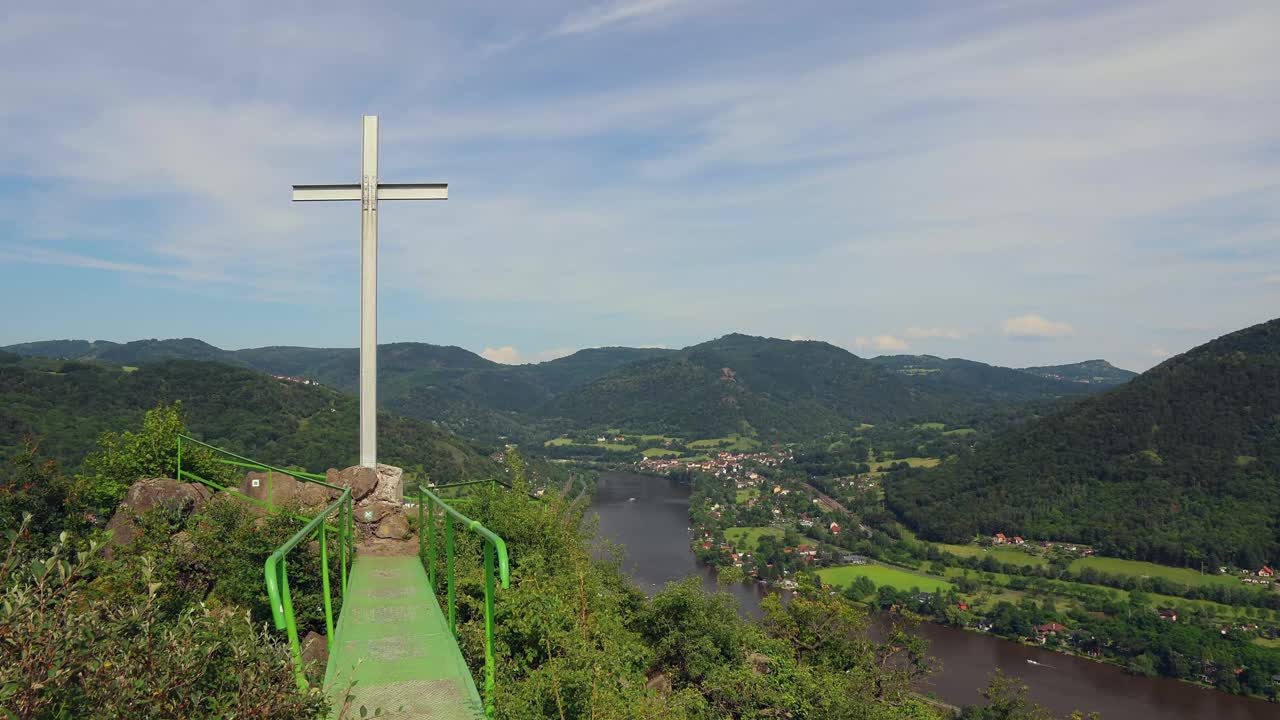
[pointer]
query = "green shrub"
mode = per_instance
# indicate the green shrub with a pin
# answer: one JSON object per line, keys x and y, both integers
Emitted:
{"x": 63, "y": 654}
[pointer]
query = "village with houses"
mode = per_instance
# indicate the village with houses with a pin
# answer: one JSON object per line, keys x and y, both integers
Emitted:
{"x": 756, "y": 517}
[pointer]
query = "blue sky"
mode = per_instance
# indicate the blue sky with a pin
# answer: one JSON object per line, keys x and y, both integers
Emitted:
{"x": 1014, "y": 182}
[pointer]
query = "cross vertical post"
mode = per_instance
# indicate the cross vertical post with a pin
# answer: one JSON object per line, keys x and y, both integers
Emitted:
{"x": 369, "y": 294}
{"x": 369, "y": 191}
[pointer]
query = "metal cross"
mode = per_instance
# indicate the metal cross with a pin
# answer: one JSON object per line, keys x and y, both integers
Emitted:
{"x": 369, "y": 191}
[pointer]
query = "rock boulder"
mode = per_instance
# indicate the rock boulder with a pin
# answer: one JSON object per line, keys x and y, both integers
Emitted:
{"x": 285, "y": 490}
{"x": 149, "y": 494}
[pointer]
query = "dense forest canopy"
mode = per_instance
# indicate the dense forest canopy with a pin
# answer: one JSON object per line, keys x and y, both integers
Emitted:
{"x": 777, "y": 389}
{"x": 69, "y": 403}
{"x": 1181, "y": 465}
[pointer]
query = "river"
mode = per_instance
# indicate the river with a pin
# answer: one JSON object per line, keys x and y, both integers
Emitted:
{"x": 654, "y": 530}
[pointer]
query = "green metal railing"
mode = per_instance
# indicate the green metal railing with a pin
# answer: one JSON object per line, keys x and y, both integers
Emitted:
{"x": 276, "y": 567}
{"x": 494, "y": 549}
{"x": 276, "y": 571}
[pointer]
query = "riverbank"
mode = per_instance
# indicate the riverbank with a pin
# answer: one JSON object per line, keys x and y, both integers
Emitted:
{"x": 655, "y": 533}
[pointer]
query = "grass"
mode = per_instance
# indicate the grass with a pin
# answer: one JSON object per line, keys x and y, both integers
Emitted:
{"x": 558, "y": 442}
{"x": 1217, "y": 610}
{"x": 736, "y": 443}
{"x": 659, "y": 452}
{"x": 1268, "y": 643}
{"x": 652, "y": 438}
{"x": 742, "y": 496}
{"x": 912, "y": 461}
{"x": 864, "y": 426}
{"x": 1004, "y": 555}
{"x": 747, "y": 538}
{"x": 128, "y": 368}
{"x": 960, "y": 431}
{"x": 881, "y": 575}
{"x": 930, "y": 426}
{"x": 615, "y": 447}
{"x": 1183, "y": 576}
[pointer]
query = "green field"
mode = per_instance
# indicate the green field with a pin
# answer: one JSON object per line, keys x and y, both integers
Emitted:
{"x": 1267, "y": 643}
{"x": 746, "y": 538}
{"x": 660, "y": 452}
{"x": 1184, "y": 576}
{"x": 881, "y": 575}
{"x": 930, "y": 426}
{"x": 615, "y": 447}
{"x": 742, "y": 495}
{"x": 1217, "y": 610}
{"x": 960, "y": 431}
{"x": 912, "y": 461}
{"x": 736, "y": 443}
{"x": 1003, "y": 554}
{"x": 128, "y": 368}
{"x": 651, "y": 438}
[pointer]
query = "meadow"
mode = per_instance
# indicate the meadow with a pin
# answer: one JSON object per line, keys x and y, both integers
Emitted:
{"x": 1003, "y": 554}
{"x": 882, "y": 575}
{"x": 746, "y": 538}
{"x": 731, "y": 443}
{"x": 1182, "y": 576}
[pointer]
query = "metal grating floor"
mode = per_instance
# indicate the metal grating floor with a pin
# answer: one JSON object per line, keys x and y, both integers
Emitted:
{"x": 393, "y": 641}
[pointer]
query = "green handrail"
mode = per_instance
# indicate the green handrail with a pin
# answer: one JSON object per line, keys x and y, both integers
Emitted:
{"x": 493, "y": 545}
{"x": 276, "y": 571}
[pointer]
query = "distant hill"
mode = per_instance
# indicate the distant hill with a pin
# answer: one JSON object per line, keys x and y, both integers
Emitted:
{"x": 1091, "y": 372}
{"x": 740, "y": 383}
{"x": 967, "y": 381}
{"x": 776, "y": 388}
{"x": 69, "y": 403}
{"x": 1182, "y": 464}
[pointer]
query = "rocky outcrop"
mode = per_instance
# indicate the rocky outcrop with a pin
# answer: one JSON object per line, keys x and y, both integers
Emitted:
{"x": 149, "y": 494}
{"x": 362, "y": 480}
{"x": 379, "y": 499}
{"x": 285, "y": 490}
{"x": 392, "y": 527}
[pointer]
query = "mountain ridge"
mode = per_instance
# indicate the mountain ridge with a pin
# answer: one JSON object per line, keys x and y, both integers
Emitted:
{"x": 735, "y": 383}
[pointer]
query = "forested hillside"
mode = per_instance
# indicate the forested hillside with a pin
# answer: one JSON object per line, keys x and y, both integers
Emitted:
{"x": 1181, "y": 465}
{"x": 1092, "y": 372}
{"x": 955, "y": 380}
{"x": 737, "y": 383}
{"x": 68, "y": 403}
{"x": 777, "y": 389}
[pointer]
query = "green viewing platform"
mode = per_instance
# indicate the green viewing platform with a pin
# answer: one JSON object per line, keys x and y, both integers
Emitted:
{"x": 393, "y": 640}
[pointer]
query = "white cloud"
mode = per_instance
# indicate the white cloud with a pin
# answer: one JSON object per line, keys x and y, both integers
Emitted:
{"x": 881, "y": 342}
{"x": 941, "y": 333}
{"x": 506, "y": 355}
{"x": 1159, "y": 353}
{"x": 1036, "y": 326}
{"x": 605, "y": 15}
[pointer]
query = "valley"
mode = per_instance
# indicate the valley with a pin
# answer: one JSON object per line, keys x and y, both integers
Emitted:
{"x": 908, "y": 484}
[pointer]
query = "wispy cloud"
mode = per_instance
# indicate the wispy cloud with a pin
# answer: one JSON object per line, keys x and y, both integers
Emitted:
{"x": 887, "y": 343}
{"x": 1036, "y": 326}
{"x": 599, "y": 17}
{"x": 506, "y": 355}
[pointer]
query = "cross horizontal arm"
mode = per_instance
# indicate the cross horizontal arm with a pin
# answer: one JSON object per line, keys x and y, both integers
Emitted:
{"x": 386, "y": 191}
